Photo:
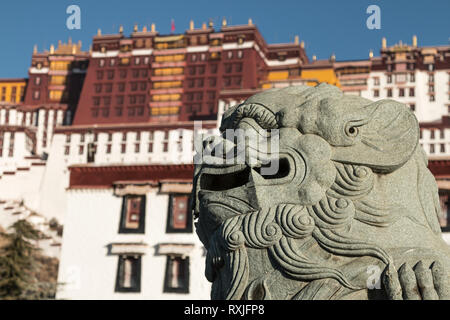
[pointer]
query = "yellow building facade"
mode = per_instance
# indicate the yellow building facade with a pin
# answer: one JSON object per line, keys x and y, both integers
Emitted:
{"x": 12, "y": 90}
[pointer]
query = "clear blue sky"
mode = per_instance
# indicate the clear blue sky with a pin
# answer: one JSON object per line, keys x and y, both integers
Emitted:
{"x": 326, "y": 26}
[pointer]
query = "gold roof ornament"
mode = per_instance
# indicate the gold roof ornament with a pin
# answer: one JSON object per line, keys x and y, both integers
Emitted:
{"x": 52, "y": 49}
{"x": 383, "y": 43}
{"x": 250, "y": 21}
{"x": 121, "y": 29}
{"x": 211, "y": 24}
{"x": 191, "y": 25}
{"x": 302, "y": 44}
{"x": 414, "y": 41}
{"x": 135, "y": 28}
{"x": 35, "y": 48}
{"x": 153, "y": 27}
{"x": 74, "y": 49}
{"x": 99, "y": 32}
{"x": 370, "y": 53}
{"x": 296, "y": 39}
{"x": 144, "y": 29}
{"x": 224, "y": 22}
{"x": 204, "y": 25}
{"x": 314, "y": 57}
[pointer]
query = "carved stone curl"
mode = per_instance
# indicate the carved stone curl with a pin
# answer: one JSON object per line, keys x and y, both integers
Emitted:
{"x": 350, "y": 213}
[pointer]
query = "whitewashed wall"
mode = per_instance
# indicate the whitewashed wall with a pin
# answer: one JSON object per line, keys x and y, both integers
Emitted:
{"x": 92, "y": 223}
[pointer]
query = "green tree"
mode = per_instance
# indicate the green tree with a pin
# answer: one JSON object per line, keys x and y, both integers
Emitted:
{"x": 20, "y": 262}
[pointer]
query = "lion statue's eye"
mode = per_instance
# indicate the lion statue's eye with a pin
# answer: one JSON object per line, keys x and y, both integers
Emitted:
{"x": 351, "y": 131}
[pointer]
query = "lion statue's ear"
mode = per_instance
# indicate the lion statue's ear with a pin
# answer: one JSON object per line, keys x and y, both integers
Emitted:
{"x": 388, "y": 139}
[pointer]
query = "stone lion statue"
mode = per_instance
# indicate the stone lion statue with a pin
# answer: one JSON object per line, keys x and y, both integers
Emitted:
{"x": 350, "y": 213}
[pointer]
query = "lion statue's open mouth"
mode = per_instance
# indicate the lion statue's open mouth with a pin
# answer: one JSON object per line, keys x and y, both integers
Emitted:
{"x": 350, "y": 211}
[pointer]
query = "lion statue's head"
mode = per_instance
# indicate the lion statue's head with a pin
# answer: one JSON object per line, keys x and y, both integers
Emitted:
{"x": 324, "y": 192}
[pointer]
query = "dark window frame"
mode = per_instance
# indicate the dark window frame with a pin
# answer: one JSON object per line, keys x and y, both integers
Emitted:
{"x": 142, "y": 214}
{"x": 189, "y": 218}
{"x": 119, "y": 287}
{"x": 185, "y": 288}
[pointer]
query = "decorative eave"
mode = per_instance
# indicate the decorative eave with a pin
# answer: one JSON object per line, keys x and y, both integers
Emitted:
{"x": 105, "y": 177}
{"x": 133, "y": 127}
{"x": 139, "y": 248}
{"x": 175, "y": 249}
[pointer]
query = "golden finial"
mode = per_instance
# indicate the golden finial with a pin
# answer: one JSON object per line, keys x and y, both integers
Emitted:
{"x": 211, "y": 24}
{"x": 224, "y": 22}
{"x": 314, "y": 57}
{"x": 383, "y": 43}
{"x": 250, "y": 21}
{"x": 204, "y": 26}
{"x": 370, "y": 53}
{"x": 70, "y": 41}
{"x": 144, "y": 29}
{"x": 333, "y": 57}
{"x": 153, "y": 27}
{"x": 74, "y": 49}
{"x": 52, "y": 49}
{"x": 135, "y": 28}
{"x": 191, "y": 25}
{"x": 99, "y": 32}
{"x": 35, "y": 49}
{"x": 296, "y": 39}
{"x": 414, "y": 41}
{"x": 121, "y": 29}
{"x": 302, "y": 44}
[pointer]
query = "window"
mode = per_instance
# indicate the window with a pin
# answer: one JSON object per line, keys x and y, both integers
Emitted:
{"x": 431, "y": 148}
{"x": 110, "y": 74}
{"x": 165, "y": 146}
{"x": 133, "y": 214}
{"x": 66, "y": 150}
{"x": 101, "y": 62}
{"x": 135, "y": 73}
{"x": 213, "y": 68}
{"x": 238, "y": 67}
{"x": 177, "y": 275}
{"x": 105, "y": 112}
{"x": 179, "y": 217}
{"x": 401, "y": 92}
{"x": 411, "y": 92}
{"x": 442, "y": 148}
{"x": 441, "y": 133}
{"x": 37, "y": 81}
{"x": 108, "y": 148}
{"x": 432, "y": 134}
{"x": 201, "y": 69}
{"x": 123, "y": 148}
{"x": 121, "y": 87}
{"x": 412, "y": 77}
{"x": 98, "y": 88}
{"x": 134, "y": 86}
{"x": 119, "y": 100}
{"x": 128, "y": 274}
{"x": 108, "y": 87}
{"x": 36, "y": 94}
{"x": 99, "y": 75}
{"x": 413, "y": 107}
{"x": 389, "y": 79}
{"x": 376, "y": 93}
{"x": 228, "y": 68}
{"x": 123, "y": 73}
{"x": 81, "y": 150}
{"x": 376, "y": 81}
{"x": 389, "y": 92}
{"x": 118, "y": 111}
{"x": 432, "y": 98}
{"x": 212, "y": 82}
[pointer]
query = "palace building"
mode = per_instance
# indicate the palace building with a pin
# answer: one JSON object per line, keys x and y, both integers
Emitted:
{"x": 148, "y": 77}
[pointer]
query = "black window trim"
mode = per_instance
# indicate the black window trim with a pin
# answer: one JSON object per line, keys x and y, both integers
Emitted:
{"x": 141, "y": 228}
{"x": 183, "y": 290}
{"x": 137, "y": 288}
{"x": 169, "y": 228}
